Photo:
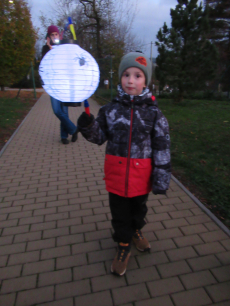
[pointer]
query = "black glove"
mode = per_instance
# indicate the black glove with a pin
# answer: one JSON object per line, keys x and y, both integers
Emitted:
{"x": 85, "y": 120}
{"x": 158, "y": 191}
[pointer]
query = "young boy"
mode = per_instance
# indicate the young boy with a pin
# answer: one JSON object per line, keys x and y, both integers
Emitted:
{"x": 137, "y": 153}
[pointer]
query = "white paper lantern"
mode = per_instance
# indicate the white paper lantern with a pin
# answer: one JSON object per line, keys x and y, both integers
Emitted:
{"x": 69, "y": 73}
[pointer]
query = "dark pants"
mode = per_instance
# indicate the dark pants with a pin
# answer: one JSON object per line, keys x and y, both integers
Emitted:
{"x": 128, "y": 215}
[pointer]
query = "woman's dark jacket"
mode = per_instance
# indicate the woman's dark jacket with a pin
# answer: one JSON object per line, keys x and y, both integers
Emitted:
{"x": 138, "y": 144}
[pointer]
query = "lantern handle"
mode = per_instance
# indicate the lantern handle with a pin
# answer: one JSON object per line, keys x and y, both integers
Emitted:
{"x": 86, "y": 105}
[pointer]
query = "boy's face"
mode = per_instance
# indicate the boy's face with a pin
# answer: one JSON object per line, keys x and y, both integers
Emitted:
{"x": 133, "y": 81}
{"x": 54, "y": 36}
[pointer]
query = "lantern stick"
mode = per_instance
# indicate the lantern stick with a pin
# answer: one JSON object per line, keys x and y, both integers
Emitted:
{"x": 72, "y": 28}
{"x": 86, "y": 105}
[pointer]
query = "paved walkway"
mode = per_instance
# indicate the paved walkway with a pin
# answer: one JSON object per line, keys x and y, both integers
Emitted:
{"x": 55, "y": 232}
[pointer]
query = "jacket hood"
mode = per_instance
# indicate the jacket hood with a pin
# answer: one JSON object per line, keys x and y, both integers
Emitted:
{"x": 144, "y": 98}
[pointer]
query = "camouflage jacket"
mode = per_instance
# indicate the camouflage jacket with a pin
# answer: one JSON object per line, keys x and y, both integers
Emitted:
{"x": 137, "y": 135}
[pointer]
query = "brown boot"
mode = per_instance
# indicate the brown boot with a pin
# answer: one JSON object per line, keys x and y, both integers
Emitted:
{"x": 141, "y": 242}
{"x": 121, "y": 259}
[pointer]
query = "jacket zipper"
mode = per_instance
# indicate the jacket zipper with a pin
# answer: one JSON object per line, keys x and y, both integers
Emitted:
{"x": 129, "y": 149}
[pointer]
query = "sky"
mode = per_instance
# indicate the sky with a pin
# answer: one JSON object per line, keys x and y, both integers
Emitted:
{"x": 150, "y": 17}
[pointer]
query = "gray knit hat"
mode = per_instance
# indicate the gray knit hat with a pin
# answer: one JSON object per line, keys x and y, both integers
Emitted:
{"x": 138, "y": 60}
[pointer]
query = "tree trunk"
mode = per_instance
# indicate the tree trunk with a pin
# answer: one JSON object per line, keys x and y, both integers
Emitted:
{"x": 2, "y": 88}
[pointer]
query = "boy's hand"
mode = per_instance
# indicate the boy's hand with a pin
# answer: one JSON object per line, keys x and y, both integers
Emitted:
{"x": 85, "y": 120}
{"x": 158, "y": 191}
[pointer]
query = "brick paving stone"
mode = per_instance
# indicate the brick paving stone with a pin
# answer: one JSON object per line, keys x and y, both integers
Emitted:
{"x": 3, "y": 260}
{"x": 71, "y": 261}
{"x": 18, "y": 284}
{"x": 6, "y": 240}
{"x": 43, "y": 226}
{"x": 209, "y": 248}
{"x": 97, "y": 235}
{"x": 175, "y": 223}
{"x": 34, "y": 296}
{"x": 222, "y": 274}
{"x": 103, "y": 225}
{"x": 142, "y": 275}
{"x": 193, "y": 229}
{"x": 21, "y": 258}
{"x": 170, "y": 201}
{"x": 105, "y": 282}
{"x": 196, "y": 297}
{"x": 55, "y": 252}
{"x": 165, "y": 286}
{"x": 158, "y": 217}
{"x": 108, "y": 243}
{"x": 152, "y": 227}
{"x": 56, "y": 232}
{"x": 86, "y": 247}
{"x": 168, "y": 233}
{"x": 31, "y": 220}
{"x": 83, "y": 228}
{"x": 180, "y": 214}
{"x": 10, "y": 210}
{"x": 211, "y": 226}
{"x": 41, "y": 244}
{"x": 27, "y": 237}
{"x": 10, "y": 272}
{"x": 226, "y": 244}
{"x": 99, "y": 256}
{"x": 173, "y": 269}
{"x": 70, "y": 239}
{"x": 45, "y": 211}
{"x": 7, "y": 299}
{"x": 72, "y": 289}
{"x": 12, "y": 249}
{"x": 152, "y": 259}
{"x": 188, "y": 205}
{"x": 88, "y": 271}
{"x": 19, "y": 215}
{"x": 65, "y": 302}
{"x": 182, "y": 253}
{"x": 164, "y": 301}
{"x": 96, "y": 299}
{"x": 38, "y": 267}
{"x": 57, "y": 204}
{"x": 165, "y": 208}
{"x": 198, "y": 219}
{"x": 188, "y": 240}
{"x": 205, "y": 262}
{"x": 130, "y": 294}
{"x": 96, "y": 218}
{"x": 33, "y": 206}
{"x": 8, "y": 223}
{"x": 59, "y": 216}
{"x": 68, "y": 222}
{"x": 162, "y": 245}
{"x": 55, "y": 277}
{"x": 197, "y": 279}
{"x": 224, "y": 257}
{"x": 214, "y": 236}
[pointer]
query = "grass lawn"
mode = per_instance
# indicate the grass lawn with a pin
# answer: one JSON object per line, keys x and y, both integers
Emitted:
{"x": 200, "y": 149}
{"x": 13, "y": 111}
{"x": 200, "y": 136}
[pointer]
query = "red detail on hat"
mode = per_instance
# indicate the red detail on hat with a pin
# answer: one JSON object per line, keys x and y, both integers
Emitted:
{"x": 153, "y": 98}
{"x": 141, "y": 60}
